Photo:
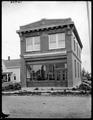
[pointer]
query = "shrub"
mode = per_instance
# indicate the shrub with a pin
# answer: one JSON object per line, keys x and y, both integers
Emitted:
{"x": 36, "y": 89}
{"x": 52, "y": 89}
{"x": 64, "y": 90}
{"x": 11, "y": 86}
{"x": 17, "y": 86}
{"x": 74, "y": 88}
{"x": 84, "y": 87}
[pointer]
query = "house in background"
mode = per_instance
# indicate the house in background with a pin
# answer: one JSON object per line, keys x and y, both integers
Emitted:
{"x": 50, "y": 53}
{"x": 5, "y": 74}
{"x": 11, "y": 70}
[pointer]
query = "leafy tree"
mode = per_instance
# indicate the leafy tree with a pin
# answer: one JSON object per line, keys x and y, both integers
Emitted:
{"x": 83, "y": 72}
{"x": 86, "y": 74}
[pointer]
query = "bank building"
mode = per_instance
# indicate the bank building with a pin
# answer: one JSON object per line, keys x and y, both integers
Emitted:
{"x": 50, "y": 53}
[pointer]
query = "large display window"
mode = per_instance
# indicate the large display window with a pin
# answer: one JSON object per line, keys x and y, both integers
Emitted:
{"x": 41, "y": 72}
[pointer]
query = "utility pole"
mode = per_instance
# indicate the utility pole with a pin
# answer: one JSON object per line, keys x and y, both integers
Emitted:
{"x": 89, "y": 27}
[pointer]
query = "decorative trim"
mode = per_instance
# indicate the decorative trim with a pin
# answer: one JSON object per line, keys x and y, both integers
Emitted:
{"x": 45, "y": 54}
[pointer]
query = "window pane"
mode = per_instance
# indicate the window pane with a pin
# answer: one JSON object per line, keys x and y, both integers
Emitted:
{"x": 78, "y": 69}
{"x": 36, "y": 40}
{"x": 77, "y": 49}
{"x": 74, "y": 45}
{"x": 29, "y": 44}
{"x": 61, "y": 36}
{"x": 61, "y": 40}
{"x": 52, "y": 38}
{"x": 61, "y": 44}
{"x": 36, "y": 43}
{"x": 75, "y": 67}
{"x": 39, "y": 72}
{"x": 52, "y": 41}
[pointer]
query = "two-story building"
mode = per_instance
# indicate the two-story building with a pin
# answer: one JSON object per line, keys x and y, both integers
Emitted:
{"x": 50, "y": 53}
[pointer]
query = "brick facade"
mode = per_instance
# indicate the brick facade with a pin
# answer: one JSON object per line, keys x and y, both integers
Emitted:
{"x": 44, "y": 48}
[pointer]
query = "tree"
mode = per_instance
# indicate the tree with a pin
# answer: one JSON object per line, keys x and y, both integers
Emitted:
{"x": 86, "y": 74}
{"x": 83, "y": 72}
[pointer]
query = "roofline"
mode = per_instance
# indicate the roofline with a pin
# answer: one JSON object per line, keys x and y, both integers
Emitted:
{"x": 44, "y": 27}
{"x": 44, "y": 19}
{"x": 51, "y": 26}
{"x": 77, "y": 35}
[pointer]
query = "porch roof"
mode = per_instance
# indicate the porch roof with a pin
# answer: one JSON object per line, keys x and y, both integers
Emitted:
{"x": 6, "y": 73}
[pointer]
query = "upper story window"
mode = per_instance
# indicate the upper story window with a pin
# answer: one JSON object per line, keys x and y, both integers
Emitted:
{"x": 75, "y": 68}
{"x": 79, "y": 52}
{"x": 61, "y": 40}
{"x": 52, "y": 41}
{"x": 57, "y": 41}
{"x": 33, "y": 43}
{"x": 74, "y": 46}
{"x": 77, "y": 49}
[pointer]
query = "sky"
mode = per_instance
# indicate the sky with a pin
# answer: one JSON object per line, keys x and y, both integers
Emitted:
{"x": 21, "y": 13}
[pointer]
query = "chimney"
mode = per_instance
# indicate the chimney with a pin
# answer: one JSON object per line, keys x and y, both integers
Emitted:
{"x": 8, "y": 58}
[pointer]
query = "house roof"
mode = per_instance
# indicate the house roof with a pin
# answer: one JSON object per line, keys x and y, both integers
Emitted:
{"x": 12, "y": 63}
{"x": 45, "y": 23}
{"x": 49, "y": 23}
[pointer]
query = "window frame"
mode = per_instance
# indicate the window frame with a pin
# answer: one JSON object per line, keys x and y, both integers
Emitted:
{"x": 75, "y": 68}
{"x": 34, "y": 47}
{"x": 56, "y": 46}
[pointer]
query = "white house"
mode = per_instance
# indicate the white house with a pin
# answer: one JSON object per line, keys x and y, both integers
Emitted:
{"x": 11, "y": 70}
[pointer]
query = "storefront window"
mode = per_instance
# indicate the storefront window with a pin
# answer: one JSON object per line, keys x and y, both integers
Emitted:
{"x": 46, "y": 72}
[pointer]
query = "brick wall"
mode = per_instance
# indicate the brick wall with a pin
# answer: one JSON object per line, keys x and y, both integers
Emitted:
{"x": 23, "y": 66}
{"x": 44, "y": 42}
{"x": 44, "y": 47}
{"x": 69, "y": 58}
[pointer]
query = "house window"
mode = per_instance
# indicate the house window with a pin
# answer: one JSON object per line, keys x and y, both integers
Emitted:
{"x": 78, "y": 69}
{"x": 61, "y": 40}
{"x": 75, "y": 67}
{"x": 57, "y": 41}
{"x": 80, "y": 53}
{"x": 74, "y": 46}
{"x": 36, "y": 43}
{"x": 77, "y": 49}
{"x": 33, "y": 43}
{"x": 29, "y": 44}
{"x": 52, "y": 41}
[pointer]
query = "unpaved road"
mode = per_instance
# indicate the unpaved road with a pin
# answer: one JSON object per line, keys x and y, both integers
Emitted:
{"x": 48, "y": 106}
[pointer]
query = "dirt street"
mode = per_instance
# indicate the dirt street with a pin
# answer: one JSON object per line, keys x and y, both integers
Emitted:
{"x": 47, "y": 106}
